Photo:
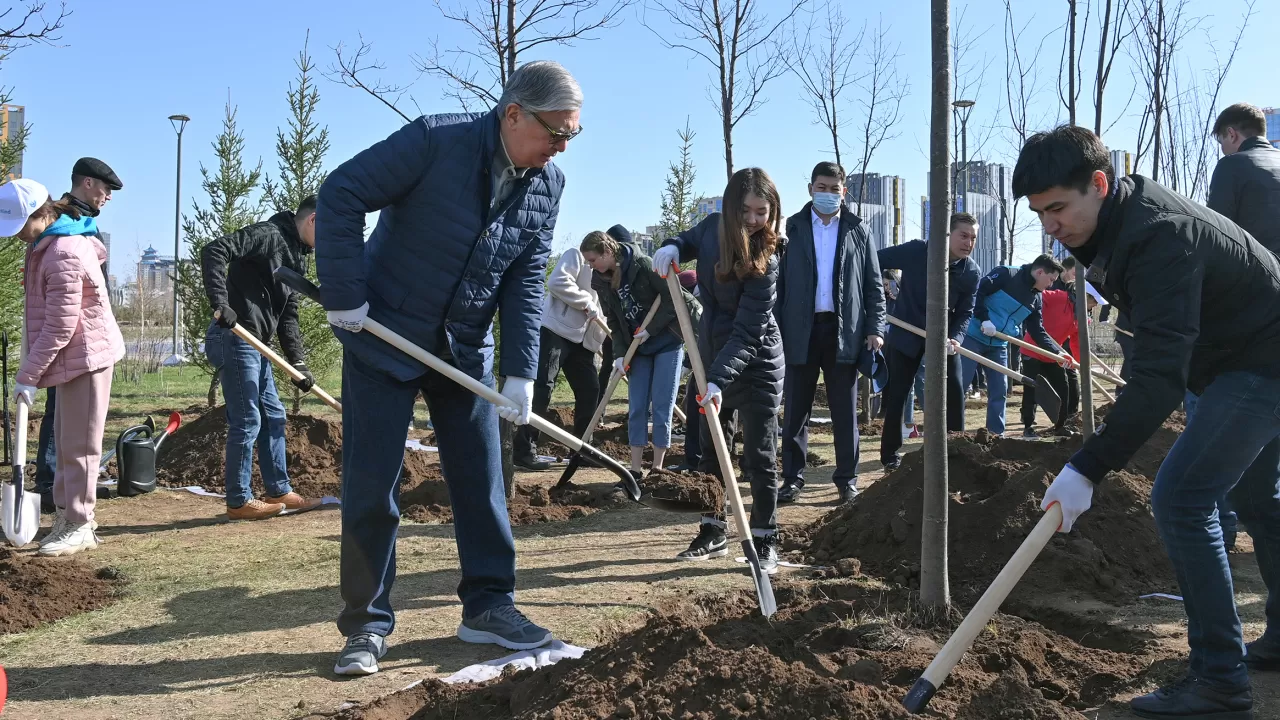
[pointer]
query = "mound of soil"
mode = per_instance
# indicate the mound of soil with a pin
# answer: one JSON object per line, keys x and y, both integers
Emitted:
{"x": 35, "y": 591}
{"x": 872, "y": 428}
{"x": 837, "y": 650}
{"x": 690, "y": 488}
{"x": 1114, "y": 553}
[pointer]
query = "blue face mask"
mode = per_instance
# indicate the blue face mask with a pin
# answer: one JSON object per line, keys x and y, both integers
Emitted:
{"x": 826, "y": 203}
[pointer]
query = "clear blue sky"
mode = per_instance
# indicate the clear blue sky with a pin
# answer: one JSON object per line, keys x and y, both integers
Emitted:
{"x": 122, "y": 68}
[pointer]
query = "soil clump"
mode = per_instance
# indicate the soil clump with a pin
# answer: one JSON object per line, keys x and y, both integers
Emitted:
{"x": 35, "y": 591}
{"x": 694, "y": 489}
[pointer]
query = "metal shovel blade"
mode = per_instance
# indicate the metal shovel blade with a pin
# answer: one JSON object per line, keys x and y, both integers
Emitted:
{"x": 1047, "y": 398}
{"x": 764, "y": 588}
{"x": 675, "y": 506}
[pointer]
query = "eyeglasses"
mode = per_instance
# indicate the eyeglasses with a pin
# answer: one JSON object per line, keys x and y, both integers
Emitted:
{"x": 556, "y": 135}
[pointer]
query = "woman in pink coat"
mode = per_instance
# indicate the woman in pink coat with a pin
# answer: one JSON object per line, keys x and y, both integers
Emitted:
{"x": 72, "y": 342}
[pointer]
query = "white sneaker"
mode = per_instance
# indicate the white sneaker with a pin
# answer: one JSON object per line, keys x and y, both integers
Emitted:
{"x": 70, "y": 541}
{"x": 59, "y": 526}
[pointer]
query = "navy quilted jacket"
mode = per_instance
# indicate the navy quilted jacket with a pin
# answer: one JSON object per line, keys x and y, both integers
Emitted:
{"x": 739, "y": 341}
{"x": 439, "y": 263}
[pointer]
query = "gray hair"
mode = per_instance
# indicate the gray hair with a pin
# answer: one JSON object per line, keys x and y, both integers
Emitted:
{"x": 541, "y": 86}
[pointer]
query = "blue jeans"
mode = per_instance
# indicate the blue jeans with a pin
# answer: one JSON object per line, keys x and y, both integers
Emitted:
{"x": 1232, "y": 443}
{"x": 1226, "y": 516}
{"x": 252, "y": 405}
{"x": 653, "y": 381}
{"x": 915, "y": 393}
{"x": 376, "y": 409}
{"x": 997, "y": 387}
{"x": 46, "y": 452}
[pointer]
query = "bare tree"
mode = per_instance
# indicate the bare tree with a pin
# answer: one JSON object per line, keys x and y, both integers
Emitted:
{"x": 883, "y": 90}
{"x": 1160, "y": 28}
{"x": 1111, "y": 38}
{"x": 1021, "y": 88}
{"x": 969, "y": 69}
{"x": 501, "y": 32}
{"x": 732, "y": 36}
{"x": 823, "y": 60}
{"x": 1072, "y": 50}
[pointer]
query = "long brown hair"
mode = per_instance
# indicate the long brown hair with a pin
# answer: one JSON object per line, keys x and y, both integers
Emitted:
{"x": 744, "y": 256}
{"x": 602, "y": 243}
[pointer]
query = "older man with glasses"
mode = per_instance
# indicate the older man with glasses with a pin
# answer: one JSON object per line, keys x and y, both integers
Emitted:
{"x": 469, "y": 206}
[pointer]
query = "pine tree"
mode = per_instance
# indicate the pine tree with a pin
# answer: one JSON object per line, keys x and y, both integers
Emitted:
{"x": 230, "y": 206}
{"x": 679, "y": 203}
{"x": 12, "y": 250}
{"x": 301, "y": 149}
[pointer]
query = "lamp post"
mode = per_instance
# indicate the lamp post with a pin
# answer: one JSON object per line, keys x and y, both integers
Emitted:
{"x": 179, "y": 123}
{"x": 967, "y": 107}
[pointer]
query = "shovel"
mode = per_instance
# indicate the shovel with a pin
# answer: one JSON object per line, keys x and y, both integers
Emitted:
{"x": 19, "y": 510}
{"x": 306, "y": 287}
{"x": 1050, "y": 356}
{"x": 1046, "y": 398}
{"x": 283, "y": 364}
{"x": 576, "y": 460}
{"x": 764, "y": 588}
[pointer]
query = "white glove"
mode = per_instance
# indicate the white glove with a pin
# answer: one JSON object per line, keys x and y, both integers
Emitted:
{"x": 520, "y": 392}
{"x": 666, "y": 256}
{"x": 988, "y": 328}
{"x": 349, "y": 320}
{"x": 1067, "y": 362}
{"x": 641, "y": 335}
{"x": 1074, "y": 494}
{"x": 593, "y": 313}
{"x": 25, "y": 393}
{"x": 619, "y": 366}
{"x": 712, "y": 397}
{"x": 953, "y": 347}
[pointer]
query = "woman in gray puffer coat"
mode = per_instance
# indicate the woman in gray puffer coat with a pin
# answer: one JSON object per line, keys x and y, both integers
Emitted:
{"x": 740, "y": 344}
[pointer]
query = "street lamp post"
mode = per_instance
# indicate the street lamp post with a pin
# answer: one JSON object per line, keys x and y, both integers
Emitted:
{"x": 966, "y": 106}
{"x": 179, "y": 124}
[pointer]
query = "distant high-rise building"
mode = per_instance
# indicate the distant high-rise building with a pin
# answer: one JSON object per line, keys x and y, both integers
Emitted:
{"x": 155, "y": 272}
{"x": 12, "y": 119}
{"x": 883, "y": 199}
{"x": 989, "y": 200}
{"x": 1122, "y": 162}
{"x": 706, "y": 206}
{"x": 1273, "y": 125}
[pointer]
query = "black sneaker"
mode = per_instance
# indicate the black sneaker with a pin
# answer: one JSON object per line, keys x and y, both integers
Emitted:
{"x": 790, "y": 490}
{"x": 710, "y": 543}
{"x": 892, "y": 463}
{"x": 1030, "y": 433}
{"x": 1263, "y": 654}
{"x": 532, "y": 464}
{"x": 767, "y": 549}
{"x": 1189, "y": 698}
{"x": 848, "y": 493}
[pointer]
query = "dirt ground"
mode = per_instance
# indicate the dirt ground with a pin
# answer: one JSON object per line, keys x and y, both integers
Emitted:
{"x": 218, "y": 620}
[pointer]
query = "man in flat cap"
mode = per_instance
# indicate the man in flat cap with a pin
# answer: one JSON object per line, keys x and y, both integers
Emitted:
{"x": 92, "y": 182}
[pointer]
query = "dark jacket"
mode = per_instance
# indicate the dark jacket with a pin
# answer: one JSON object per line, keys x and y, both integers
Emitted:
{"x": 1246, "y": 189}
{"x": 1203, "y": 298}
{"x": 856, "y": 288}
{"x": 913, "y": 260}
{"x": 643, "y": 285}
{"x": 739, "y": 343}
{"x": 237, "y": 270}
{"x": 439, "y": 264}
{"x": 1010, "y": 301}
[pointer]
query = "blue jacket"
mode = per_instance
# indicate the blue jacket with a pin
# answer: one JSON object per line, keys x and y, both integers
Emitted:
{"x": 439, "y": 263}
{"x": 1011, "y": 302}
{"x": 913, "y": 260}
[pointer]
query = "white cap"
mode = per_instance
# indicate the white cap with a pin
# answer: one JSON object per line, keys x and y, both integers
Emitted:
{"x": 1094, "y": 292}
{"x": 18, "y": 199}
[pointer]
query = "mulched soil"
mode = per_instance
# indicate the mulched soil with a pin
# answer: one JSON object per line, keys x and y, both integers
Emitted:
{"x": 696, "y": 490}
{"x": 35, "y": 590}
{"x": 834, "y": 650}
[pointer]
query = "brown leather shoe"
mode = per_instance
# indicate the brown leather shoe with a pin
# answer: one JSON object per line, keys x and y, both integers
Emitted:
{"x": 255, "y": 510}
{"x": 294, "y": 503}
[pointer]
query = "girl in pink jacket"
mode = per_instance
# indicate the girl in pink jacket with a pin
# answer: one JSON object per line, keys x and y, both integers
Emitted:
{"x": 72, "y": 342}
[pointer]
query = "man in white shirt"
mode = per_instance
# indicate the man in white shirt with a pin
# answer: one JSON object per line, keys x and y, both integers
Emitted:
{"x": 831, "y": 310}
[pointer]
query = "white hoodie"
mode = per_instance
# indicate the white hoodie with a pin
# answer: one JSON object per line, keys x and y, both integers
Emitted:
{"x": 568, "y": 299}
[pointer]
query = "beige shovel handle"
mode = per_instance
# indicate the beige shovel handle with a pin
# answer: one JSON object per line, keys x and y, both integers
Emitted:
{"x": 990, "y": 601}
{"x": 1107, "y": 370}
{"x": 1097, "y": 384}
{"x": 283, "y": 364}
{"x": 1119, "y": 329}
{"x": 615, "y": 376}
{"x": 1056, "y": 358}
{"x": 602, "y": 325}
{"x": 966, "y": 353}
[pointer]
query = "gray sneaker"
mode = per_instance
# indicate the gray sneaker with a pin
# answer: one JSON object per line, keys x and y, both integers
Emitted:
{"x": 360, "y": 656}
{"x": 505, "y": 626}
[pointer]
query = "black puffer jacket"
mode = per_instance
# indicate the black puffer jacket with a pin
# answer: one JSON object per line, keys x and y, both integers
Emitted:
{"x": 237, "y": 270}
{"x": 739, "y": 341}
{"x": 1202, "y": 295}
{"x": 1246, "y": 188}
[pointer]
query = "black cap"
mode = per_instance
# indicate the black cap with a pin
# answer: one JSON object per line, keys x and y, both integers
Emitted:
{"x": 95, "y": 168}
{"x": 621, "y": 234}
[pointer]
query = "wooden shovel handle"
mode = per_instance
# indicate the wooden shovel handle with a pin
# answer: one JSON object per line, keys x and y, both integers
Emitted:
{"x": 615, "y": 376}
{"x": 284, "y": 365}
{"x": 967, "y": 353}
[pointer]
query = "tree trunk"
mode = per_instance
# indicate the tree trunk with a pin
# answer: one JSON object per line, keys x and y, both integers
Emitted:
{"x": 1082, "y": 311}
{"x": 213, "y": 388}
{"x": 935, "y": 589}
{"x": 1071, "y": 65}
{"x": 511, "y": 42}
{"x": 728, "y": 139}
{"x": 297, "y": 401}
{"x": 1100, "y": 84}
{"x": 1157, "y": 94}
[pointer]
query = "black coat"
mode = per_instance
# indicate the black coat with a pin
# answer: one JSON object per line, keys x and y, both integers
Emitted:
{"x": 237, "y": 270}
{"x": 856, "y": 288}
{"x": 1246, "y": 189}
{"x": 1203, "y": 298}
{"x": 912, "y": 258}
{"x": 739, "y": 343}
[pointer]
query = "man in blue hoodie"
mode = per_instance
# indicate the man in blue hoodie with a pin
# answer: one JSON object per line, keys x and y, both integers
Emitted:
{"x": 905, "y": 349}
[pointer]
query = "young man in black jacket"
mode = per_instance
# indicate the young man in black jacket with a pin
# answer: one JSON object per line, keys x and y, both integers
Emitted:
{"x": 830, "y": 309}
{"x": 1204, "y": 300}
{"x": 237, "y": 270}
{"x": 1246, "y": 181}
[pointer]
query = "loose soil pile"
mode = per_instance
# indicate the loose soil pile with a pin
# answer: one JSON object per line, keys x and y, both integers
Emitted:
{"x": 697, "y": 490}
{"x": 195, "y": 455}
{"x": 35, "y": 591}
{"x": 1113, "y": 554}
{"x": 833, "y": 650}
